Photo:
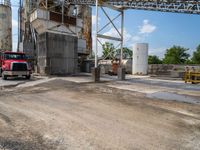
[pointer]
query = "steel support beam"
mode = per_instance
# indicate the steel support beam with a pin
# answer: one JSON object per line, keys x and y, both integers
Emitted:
{"x": 109, "y": 37}
{"x": 122, "y": 37}
{"x": 100, "y": 35}
{"x": 119, "y": 38}
{"x": 176, "y": 6}
{"x": 97, "y": 28}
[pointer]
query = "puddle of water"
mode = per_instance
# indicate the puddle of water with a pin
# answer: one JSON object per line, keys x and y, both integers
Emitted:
{"x": 174, "y": 97}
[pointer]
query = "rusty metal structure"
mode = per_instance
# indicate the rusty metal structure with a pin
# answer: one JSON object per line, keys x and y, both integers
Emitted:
{"x": 5, "y": 26}
{"x": 39, "y": 16}
{"x": 55, "y": 34}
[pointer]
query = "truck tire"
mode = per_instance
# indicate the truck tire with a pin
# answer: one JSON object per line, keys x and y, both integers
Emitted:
{"x": 0, "y": 72}
{"x": 28, "y": 77}
{"x": 4, "y": 77}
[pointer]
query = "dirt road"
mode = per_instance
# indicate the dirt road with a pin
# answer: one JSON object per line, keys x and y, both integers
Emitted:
{"x": 65, "y": 115}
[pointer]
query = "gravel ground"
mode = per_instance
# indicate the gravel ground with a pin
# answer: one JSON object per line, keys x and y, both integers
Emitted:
{"x": 65, "y": 115}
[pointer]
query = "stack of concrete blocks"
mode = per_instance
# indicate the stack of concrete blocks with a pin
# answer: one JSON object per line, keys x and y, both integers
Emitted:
{"x": 160, "y": 69}
{"x": 57, "y": 54}
{"x": 170, "y": 70}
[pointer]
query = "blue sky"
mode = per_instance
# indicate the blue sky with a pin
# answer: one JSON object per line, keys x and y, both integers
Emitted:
{"x": 160, "y": 30}
{"x": 14, "y": 23}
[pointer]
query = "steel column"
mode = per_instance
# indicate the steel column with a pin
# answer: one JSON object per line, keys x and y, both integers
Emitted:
{"x": 122, "y": 36}
{"x": 96, "y": 42}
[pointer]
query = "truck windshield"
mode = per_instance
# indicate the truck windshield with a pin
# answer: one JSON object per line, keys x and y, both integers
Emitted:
{"x": 14, "y": 56}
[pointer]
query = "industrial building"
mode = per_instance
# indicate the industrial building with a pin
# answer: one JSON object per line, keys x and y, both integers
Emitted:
{"x": 56, "y": 34}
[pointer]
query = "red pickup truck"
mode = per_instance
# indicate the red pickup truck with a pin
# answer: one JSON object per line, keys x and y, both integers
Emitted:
{"x": 14, "y": 64}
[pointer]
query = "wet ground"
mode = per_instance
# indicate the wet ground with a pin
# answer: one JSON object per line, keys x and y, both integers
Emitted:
{"x": 58, "y": 113}
{"x": 13, "y": 82}
{"x": 175, "y": 97}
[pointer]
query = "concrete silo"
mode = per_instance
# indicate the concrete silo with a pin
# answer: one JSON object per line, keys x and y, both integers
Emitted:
{"x": 140, "y": 59}
{"x": 5, "y": 25}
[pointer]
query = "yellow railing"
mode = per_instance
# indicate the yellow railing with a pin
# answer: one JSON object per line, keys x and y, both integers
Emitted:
{"x": 193, "y": 77}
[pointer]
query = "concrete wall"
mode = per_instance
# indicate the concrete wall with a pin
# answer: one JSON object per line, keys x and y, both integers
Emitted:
{"x": 174, "y": 71}
{"x": 5, "y": 27}
{"x": 167, "y": 70}
{"x": 57, "y": 54}
{"x": 160, "y": 69}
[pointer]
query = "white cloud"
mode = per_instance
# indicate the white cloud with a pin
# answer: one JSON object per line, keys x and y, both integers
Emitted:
{"x": 94, "y": 19}
{"x": 147, "y": 28}
{"x": 112, "y": 32}
{"x": 14, "y": 23}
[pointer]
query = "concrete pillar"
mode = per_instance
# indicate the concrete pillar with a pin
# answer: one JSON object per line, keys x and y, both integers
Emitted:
{"x": 96, "y": 74}
{"x": 121, "y": 73}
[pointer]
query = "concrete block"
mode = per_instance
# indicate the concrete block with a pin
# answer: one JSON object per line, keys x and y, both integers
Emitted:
{"x": 57, "y": 53}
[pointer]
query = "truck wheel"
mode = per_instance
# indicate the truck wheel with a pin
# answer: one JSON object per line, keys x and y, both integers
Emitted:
{"x": 28, "y": 77}
{"x": 4, "y": 77}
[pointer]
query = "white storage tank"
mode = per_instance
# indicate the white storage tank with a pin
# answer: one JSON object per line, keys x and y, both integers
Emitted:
{"x": 140, "y": 59}
{"x": 5, "y": 25}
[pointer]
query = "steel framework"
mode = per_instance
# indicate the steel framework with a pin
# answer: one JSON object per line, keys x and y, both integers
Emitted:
{"x": 120, "y": 32}
{"x": 176, "y": 6}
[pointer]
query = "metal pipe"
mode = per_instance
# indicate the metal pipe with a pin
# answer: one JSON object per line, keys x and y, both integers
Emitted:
{"x": 96, "y": 50}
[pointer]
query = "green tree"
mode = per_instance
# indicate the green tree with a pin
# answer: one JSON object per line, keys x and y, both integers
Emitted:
{"x": 108, "y": 50}
{"x": 196, "y": 56}
{"x": 176, "y": 55}
{"x": 127, "y": 53}
{"x": 153, "y": 59}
